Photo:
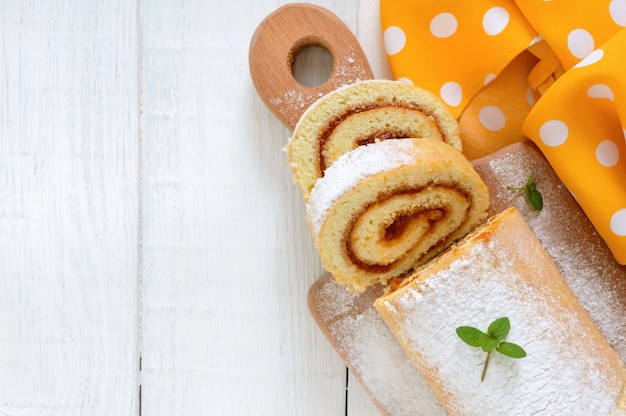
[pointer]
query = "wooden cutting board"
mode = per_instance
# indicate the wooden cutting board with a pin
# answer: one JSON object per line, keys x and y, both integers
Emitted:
{"x": 349, "y": 321}
{"x": 370, "y": 350}
{"x": 273, "y": 49}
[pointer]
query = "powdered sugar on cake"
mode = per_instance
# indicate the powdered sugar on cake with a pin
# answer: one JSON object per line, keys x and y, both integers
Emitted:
{"x": 557, "y": 377}
{"x": 350, "y": 169}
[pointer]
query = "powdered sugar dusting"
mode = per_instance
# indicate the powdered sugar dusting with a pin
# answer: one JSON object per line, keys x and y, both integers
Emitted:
{"x": 294, "y": 102}
{"x": 351, "y": 168}
{"x": 585, "y": 264}
{"x": 349, "y": 67}
{"x": 582, "y": 257}
{"x": 333, "y": 302}
{"x": 367, "y": 344}
{"x": 372, "y": 347}
{"x": 555, "y": 376}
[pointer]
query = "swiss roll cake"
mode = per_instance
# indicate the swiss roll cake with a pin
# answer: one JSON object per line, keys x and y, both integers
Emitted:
{"x": 502, "y": 270}
{"x": 384, "y": 208}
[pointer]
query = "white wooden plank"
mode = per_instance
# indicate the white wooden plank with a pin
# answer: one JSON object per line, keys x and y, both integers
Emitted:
{"x": 368, "y": 31}
{"x": 68, "y": 208}
{"x": 227, "y": 256}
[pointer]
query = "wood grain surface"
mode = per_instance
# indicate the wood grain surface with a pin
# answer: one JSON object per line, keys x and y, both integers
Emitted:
{"x": 154, "y": 254}
{"x": 276, "y": 45}
{"x": 68, "y": 208}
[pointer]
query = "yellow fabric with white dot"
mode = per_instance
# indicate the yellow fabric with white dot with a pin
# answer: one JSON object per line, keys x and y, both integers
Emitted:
{"x": 475, "y": 56}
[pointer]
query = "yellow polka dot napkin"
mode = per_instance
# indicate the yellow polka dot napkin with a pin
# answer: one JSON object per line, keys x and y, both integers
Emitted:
{"x": 452, "y": 48}
{"x": 577, "y": 124}
{"x": 483, "y": 57}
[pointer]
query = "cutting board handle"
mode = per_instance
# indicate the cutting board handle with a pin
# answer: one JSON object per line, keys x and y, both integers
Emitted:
{"x": 275, "y": 44}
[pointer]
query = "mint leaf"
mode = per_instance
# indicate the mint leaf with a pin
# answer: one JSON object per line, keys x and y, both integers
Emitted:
{"x": 499, "y": 328}
{"x": 489, "y": 343}
{"x": 471, "y": 336}
{"x": 511, "y": 350}
{"x": 534, "y": 197}
{"x": 492, "y": 340}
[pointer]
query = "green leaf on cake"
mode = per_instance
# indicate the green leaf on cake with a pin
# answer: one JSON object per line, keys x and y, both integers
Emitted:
{"x": 511, "y": 350}
{"x": 492, "y": 340}
{"x": 471, "y": 336}
{"x": 489, "y": 344}
{"x": 499, "y": 328}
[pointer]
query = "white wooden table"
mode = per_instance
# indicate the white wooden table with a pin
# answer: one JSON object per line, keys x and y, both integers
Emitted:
{"x": 154, "y": 257}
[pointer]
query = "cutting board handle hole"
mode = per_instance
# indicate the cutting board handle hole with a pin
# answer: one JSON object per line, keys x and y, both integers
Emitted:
{"x": 312, "y": 66}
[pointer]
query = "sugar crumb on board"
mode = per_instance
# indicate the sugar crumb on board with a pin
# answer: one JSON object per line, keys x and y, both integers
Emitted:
{"x": 369, "y": 346}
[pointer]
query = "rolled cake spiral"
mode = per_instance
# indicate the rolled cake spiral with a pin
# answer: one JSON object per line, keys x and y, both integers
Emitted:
{"x": 359, "y": 114}
{"x": 384, "y": 208}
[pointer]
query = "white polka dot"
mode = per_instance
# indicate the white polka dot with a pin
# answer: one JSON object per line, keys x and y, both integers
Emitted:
{"x": 601, "y": 91}
{"x": 607, "y": 153}
{"x": 451, "y": 93}
{"x": 443, "y": 25}
{"x": 617, "y": 9}
{"x": 488, "y": 78}
{"x": 495, "y": 20}
{"x": 530, "y": 97}
{"x": 405, "y": 80}
{"x": 591, "y": 59}
{"x": 618, "y": 222}
{"x": 553, "y": 133}
{"x": 492, "y": 118}
{"x": 394, "y": 40}
{"x": 580, "y": 43}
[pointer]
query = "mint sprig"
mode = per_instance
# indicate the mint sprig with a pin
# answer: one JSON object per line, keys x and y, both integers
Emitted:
{"x": 533, "y": 195}
{"x": 491, "y": 341}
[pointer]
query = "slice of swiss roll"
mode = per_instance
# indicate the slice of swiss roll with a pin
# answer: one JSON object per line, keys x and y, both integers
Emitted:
{"x": 384, "y": 208}
{"x": 359, "y": 114}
